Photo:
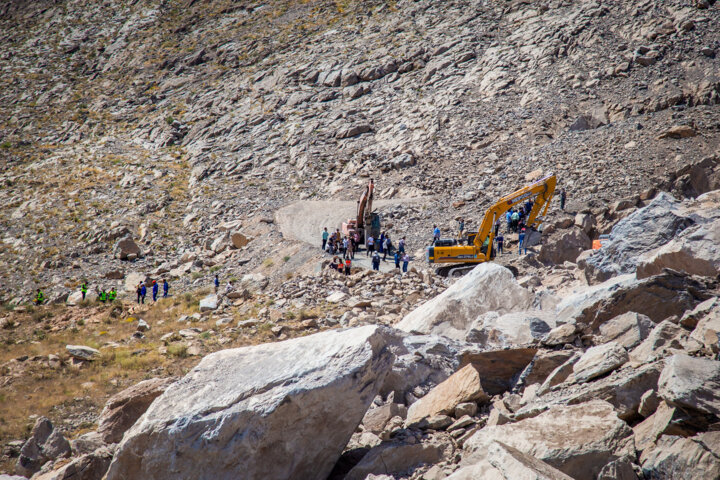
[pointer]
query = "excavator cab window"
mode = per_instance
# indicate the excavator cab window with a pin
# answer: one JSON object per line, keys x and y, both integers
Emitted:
{"x": 446, "y": 242}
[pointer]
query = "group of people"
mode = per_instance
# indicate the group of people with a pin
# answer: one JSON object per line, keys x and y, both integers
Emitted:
{"x": 141, "y": 290}
{"x": 399, "y": 256}
{"x": 336, "y": 243}
{"x": 343, "y": 249}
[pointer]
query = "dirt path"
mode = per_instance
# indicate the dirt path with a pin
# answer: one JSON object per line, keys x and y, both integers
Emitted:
{"x": 304, "y": 220}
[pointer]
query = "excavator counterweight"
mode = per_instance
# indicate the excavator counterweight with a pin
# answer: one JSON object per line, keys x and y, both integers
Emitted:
{"x": 479, "y": 247}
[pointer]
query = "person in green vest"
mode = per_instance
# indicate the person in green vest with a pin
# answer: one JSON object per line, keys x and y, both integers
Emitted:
{"x": 83, "y": 289}
{"x": 102, "y": 296}
{"x": 39, "y": 297}
{"x": 112, "y": 295}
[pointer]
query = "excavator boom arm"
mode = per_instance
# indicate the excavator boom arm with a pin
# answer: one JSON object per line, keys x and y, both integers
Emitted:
{"x": 365, "y": 204}
{"x": 541, "y": 192}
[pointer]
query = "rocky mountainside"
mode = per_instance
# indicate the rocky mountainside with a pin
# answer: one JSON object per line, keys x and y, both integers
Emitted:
{"x": 151, "y": 140}
{"x": 169, "y": 120}
{"x": 496, "y": 377}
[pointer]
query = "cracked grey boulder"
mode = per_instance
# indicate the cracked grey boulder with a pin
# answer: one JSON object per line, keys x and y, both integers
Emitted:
{"x": 45, "y": 443}
{"x": 278, "y": 410}
{"x": 639, "y": 233}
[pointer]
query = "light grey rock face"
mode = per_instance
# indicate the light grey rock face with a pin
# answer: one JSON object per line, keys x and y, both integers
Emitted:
{"x": 658, "y": 297}
{"x": 564, "y": 245}
{"x": 488, "y": 287}
{"x": 578, "y": 440}
{"x": 517, "y": 328}
{"x": 620, "y": 469}
{"x": 628, "y": 329}
{"x": 691, "y": 383}
{"x": 209, "y": 303}
{"x": 421, "y": 360}
{"x": 599, "y": 361}
{"x": 683, "y": 458}
{"x": 45, "y": 443}
{"x": 91, "y": 466}
{"x": 132, "y": 279}
{"x": 623, "y": 389}
{"x": 396, "y": 458}
{"x": 663, "y": 338}
{"x": 696, "y": 251}
{"x": 82, "y": 352}
{"x": 279, "y": 410}
{"x": 642, "y": 231}
{"x": 507, "y": 463}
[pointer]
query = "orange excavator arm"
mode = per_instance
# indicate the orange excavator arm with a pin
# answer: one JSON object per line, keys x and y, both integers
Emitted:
{"x": 365, "y": 204}
{"x": 541, "y": 192}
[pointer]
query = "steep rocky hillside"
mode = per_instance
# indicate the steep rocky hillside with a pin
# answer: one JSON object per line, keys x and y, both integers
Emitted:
{"x": 179, "y": 140}
{"x": 173, "y": 118}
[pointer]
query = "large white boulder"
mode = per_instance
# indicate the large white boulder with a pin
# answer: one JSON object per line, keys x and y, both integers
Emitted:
{"x": 578, "y": 440}
{"x": 488, "y": 287}
{"x": 277, "y": 410}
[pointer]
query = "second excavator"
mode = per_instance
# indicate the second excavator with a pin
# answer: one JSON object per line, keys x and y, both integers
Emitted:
{"x": 479, "y": 245}
{"x": 366, "y": 222}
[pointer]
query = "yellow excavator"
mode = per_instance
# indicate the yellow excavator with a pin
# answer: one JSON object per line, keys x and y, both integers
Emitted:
{"x": 450, "y": 251}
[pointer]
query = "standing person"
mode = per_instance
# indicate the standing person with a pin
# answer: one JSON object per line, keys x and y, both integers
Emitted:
{"x": 376, "y": 261}
{"x": 138, "y": 290}
{"x": 112, "y": 295}
{"x": 401, "y": 245}
{"x": 102, "y": 296}
{"x": 406, "y": 260}
{"x": 436, "y": 234}
{"x": 563, "y": 197}
{"x": 388, "y": 247}
{"x": 508, "y": 219}
{"x": 83, "y": 289}
{"x": 528, "y": 207}
{"x": 325, "y": 236}
{"x": 497, "y": 227}
{"x": 370, "y": 245}
{"x": 381, "y": 243}
{"x": 39, "y": 297}
{"x": 461, "y": 226}
{"x": 397, "y": 259}
{"x": 515, "y": 220}
{"x": 143, "y": 292}
{"x": 347, "y": 266}
{"x": 521, "y": 241}
{"x": 217, "y": 283}
{"x": 500, "y": 241}
{"x": 166, "y": 287}
{"x": 155, "y": 288}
